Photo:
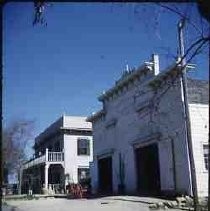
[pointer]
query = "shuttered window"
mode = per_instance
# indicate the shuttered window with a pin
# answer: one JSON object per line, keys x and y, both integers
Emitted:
{"x": 83, "y": 174}
{"x": 83, "y": 146}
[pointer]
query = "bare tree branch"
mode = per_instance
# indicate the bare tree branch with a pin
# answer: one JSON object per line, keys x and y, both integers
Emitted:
{"x": 16, "y": 136}
{"x": 181, "y": 15}
{"x": 201, "y": 40}
{"x": 198, "y": 49}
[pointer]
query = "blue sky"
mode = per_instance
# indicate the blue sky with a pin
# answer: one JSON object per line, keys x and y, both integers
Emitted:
{"x": 65, "y": 66}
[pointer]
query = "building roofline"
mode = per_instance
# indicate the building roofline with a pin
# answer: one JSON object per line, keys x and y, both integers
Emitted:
{"x": 47, "y": 132}
{"x": 76, "y": 128}
{"x": 170, "y": 71}
{"x": 95, "y": 116}
{"x": 152, "y": 66}
{"x": 42, "y": 134}
{"x": 140, "y": 71}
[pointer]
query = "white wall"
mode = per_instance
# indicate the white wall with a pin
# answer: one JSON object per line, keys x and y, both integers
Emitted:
{"x": 199, "y": 116}
{"x": 71, "y": 159}
{"x": 132, "y": 126}
{"x": 170, "y": 118}
{"x": 76, "y": 122}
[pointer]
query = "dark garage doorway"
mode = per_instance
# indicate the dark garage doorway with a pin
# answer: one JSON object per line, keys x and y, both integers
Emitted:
{"x": 148, "y": 171}
{"x": 105, "y": 175}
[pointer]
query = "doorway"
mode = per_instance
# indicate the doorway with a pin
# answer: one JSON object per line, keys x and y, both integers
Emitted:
{"x": 56, "y": 178}
{"x": 105, "y": 175}
{"x": 148, "y": 171}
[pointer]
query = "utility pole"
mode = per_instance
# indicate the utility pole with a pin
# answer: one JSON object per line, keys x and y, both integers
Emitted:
{"x": 186, "y": 113}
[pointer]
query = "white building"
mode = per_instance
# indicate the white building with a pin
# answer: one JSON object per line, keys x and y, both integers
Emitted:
{"x": 62, "y": 155}
{"x": 139, "y": 135}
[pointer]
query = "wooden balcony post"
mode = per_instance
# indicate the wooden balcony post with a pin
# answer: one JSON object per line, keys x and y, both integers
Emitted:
{"x": 46, "y": 154}
{"x": 62, "y": 155}
{"x": 46, "y": 175}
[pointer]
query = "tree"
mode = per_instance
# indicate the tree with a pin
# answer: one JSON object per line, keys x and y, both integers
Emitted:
{"x": 16, "y": 136}
{"x": 39, "y": 7}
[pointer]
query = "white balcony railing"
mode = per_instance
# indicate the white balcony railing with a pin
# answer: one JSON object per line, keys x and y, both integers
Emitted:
{"x": 35, "y": 161}
{"x": 55, "y": 156}
{"x": 50, "y": 157}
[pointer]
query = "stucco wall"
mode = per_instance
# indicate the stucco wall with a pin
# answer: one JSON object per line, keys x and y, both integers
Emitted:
{"x": 133, "y": 124}
{"x": 72, "y": 160}
{"x": 170, "y": 120}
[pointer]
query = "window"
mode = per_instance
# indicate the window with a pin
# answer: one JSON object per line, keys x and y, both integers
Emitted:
{"x": 83, "y": 175}
{"x": 83, "y": 147}
{"x": 206, "y": 156}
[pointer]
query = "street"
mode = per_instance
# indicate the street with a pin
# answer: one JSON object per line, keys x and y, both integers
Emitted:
{"x": 116, "y": 203}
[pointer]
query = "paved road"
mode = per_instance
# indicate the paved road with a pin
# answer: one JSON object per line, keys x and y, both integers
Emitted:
{"x": 6, "y": 208}
{"x": 102, "y": 204}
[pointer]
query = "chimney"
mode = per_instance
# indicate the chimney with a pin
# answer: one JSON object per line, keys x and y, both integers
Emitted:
{"x": 156, "y": 67}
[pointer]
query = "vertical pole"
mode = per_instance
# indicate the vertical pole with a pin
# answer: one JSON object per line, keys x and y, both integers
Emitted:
{"x": 46, "y": 169}
{"x": 46, "y": 175}
{"x": 46, "y": 155}
{"x": 186, "y": 113}
{"x": 20, "y": 180}
{"x": 155, "y": 59}
{"x": 62, "y": 155}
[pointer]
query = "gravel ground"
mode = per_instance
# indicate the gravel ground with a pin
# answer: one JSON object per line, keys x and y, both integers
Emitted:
{"x": 104, "y": 204}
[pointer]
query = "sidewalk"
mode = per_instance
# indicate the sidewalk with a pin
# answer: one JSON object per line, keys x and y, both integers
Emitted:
{"x": 24, "y": 196}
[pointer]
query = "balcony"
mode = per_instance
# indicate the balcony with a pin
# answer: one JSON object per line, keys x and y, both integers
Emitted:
{"x": 55, "y": 156}
{"x": 48, "y": 158}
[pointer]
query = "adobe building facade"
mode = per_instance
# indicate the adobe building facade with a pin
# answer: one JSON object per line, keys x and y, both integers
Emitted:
{"x": 139, "y": 135}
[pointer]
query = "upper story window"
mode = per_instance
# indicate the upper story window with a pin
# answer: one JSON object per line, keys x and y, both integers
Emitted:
{"x": 83, "y": 146}
{"x": 206, "y": 155}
